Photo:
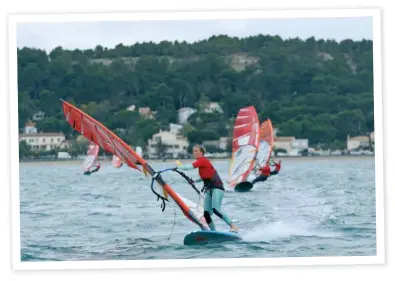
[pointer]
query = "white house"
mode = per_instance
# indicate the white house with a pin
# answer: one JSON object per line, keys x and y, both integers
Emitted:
{"x": 146, "y": 112}
{"x": 44, "y": 141}
{"x": 283, "y": 143}
{"x": 222, "y": 143}
{"x": 213, "y": 107}
{"x": 184, "y": 113}
{"x": 300, "y": 144}
{"x": 30, "y": 128}
{"x": 173, "y": 143}
{"x": 65, "y": 144}
{"x": 175, "y": 128}
{"x": 355, "y": 142}
{"x": 131, "y": 108}
{"x": 292, "y": 145}
{"x": 297, "y": 146}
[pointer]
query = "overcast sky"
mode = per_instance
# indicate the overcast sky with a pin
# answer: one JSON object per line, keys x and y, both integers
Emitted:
{"x": 84, "y": 35}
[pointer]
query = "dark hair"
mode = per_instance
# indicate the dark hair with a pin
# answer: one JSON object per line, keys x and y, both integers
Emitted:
{"x": 201, "y": 147}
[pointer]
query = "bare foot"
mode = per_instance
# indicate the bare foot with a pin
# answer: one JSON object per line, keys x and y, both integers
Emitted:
{"x": 233, "y": 228}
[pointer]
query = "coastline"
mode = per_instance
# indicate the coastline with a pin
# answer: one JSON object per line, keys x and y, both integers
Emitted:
{"x": 282, "y": 158}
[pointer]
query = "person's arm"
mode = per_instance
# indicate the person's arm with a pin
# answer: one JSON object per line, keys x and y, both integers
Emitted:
{"x": 194, "y": 165}
{"x": 186, "y": 167}
{"x": 198, "y": 163}
{"x": 278, "y": 168}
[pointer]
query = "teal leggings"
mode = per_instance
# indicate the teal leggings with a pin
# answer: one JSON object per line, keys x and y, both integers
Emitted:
{"x": 212, "y": 204}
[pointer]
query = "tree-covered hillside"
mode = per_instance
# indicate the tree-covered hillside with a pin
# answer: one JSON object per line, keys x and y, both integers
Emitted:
{"x": 316, "y": 89}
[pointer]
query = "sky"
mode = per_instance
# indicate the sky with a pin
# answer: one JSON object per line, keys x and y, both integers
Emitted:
{"x": 85, "y": 35}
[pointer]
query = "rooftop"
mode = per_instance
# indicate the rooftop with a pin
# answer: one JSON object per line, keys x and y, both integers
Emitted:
{"x": 30, "y": 124}
{"x": 359, "y": 138}
{"x": 42, "y": 135}
{"x": 284, "y": 139}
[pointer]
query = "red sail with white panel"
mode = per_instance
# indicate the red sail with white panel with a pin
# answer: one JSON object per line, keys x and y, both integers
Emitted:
{"x": 245, "y": 145}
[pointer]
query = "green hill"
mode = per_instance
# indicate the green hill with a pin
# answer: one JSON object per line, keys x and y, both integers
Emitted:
{"x": 316, "y": 89}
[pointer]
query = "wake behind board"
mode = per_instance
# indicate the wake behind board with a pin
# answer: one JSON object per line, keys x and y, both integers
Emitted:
{"x": 208, "y": 236}
{"x": 243, "y": 186}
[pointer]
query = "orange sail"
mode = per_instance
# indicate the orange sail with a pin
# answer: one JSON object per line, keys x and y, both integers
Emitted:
{"x": 110, "y": 142}
{"x": 266, "y": 143}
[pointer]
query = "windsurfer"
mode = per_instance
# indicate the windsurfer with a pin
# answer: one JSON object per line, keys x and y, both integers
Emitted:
{"x": 265, "y": 172}
{"x": 213, "y": 188}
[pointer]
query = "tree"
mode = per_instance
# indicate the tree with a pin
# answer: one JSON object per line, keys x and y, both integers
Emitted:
{"x": 147, "y": 128}
{"x": 49, "y": 124}
{"x": 48, "y": 102}
{"x": 24, "y": 150}
{"x": 316, "y": 89}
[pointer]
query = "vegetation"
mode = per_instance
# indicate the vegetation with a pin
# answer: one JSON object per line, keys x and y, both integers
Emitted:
{"x": 316, "y": 89}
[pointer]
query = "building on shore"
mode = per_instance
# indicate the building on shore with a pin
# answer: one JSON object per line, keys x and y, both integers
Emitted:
{"x": 359, "y": 142}
{"x": 42, "y": 141}
{"x": 165, "y": 144}
{"x": 291, "y": 145}
{"x": 212, "y": 107}
{"x": 184, "y": 113}
{"x": 221, "y": 143}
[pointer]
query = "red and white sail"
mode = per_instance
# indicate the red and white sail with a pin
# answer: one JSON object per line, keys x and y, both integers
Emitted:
{"x": 266, "y": 143}
{"x": 91, "y": 157}
{"x": 245, "y": 145}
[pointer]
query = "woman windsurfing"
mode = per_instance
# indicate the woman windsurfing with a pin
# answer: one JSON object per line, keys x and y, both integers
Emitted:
{"x": 213, "y": 188}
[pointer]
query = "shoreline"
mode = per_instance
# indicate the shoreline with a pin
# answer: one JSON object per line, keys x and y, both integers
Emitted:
{"x": 282, "y": 158}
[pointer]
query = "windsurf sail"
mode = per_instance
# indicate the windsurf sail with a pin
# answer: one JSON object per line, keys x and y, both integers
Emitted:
{"x": 266, "y": 143}
{"x": 116, "y": 162}
{"x": 245, "y": 145}
{"x": 96, "y": 132}
{"x": 91, "y": 157}
{"x": 195, "y": 207}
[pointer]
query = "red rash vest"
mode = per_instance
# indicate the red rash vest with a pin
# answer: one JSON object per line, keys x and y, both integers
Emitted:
{"x": 206, "y": 170}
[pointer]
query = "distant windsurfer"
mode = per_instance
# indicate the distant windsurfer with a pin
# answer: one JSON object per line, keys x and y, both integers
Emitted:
{"x": 213, "y": 187}
{"x": 265, "y": 172}
{"x": 97, "y": 168}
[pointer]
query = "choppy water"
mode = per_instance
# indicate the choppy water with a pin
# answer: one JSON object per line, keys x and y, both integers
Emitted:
{"x": 314, "y": 207}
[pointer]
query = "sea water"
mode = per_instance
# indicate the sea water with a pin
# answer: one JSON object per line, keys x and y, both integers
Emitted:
{"x": 313, "y": 207}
